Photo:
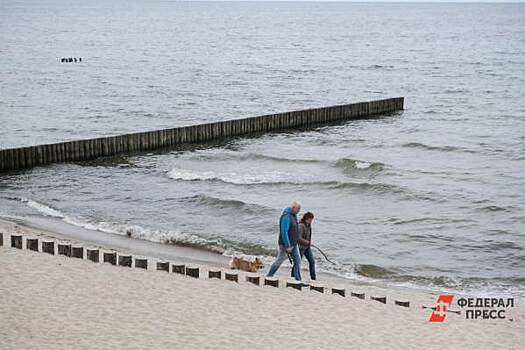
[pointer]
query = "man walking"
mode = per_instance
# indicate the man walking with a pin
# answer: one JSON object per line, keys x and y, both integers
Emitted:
{"x": 288, "y": 238}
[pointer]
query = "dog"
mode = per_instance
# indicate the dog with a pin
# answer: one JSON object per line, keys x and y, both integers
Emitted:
{"x": 246, "y": 265}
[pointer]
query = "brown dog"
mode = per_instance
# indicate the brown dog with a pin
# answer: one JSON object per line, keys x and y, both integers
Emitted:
{"x": 245, "y": 265}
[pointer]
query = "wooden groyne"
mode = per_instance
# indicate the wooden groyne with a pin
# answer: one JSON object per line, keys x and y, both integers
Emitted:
{"x": 81, "y": 150}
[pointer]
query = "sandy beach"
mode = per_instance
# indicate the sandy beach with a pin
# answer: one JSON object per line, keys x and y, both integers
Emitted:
{"x": 57, "y": 302}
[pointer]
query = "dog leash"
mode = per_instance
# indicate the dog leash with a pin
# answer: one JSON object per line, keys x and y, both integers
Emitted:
{"x": 319, "y": 249}
{"x": 289, "y": 257}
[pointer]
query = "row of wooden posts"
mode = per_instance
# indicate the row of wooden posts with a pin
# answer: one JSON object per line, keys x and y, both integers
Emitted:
{"x": 82, "y": 150}
{"x": 114, "y": 258}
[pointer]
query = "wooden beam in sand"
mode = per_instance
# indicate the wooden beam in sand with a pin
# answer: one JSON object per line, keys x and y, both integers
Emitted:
{"x": 402, "y": 303}
{"x": 32, "y": 244}
{"x": 214, "y": 274}
{"x": 16, "y": 242}
{"x": 192, "y": 271}
{"x": 231, "y": 276}
{"x": 178, "y": 268}
{"x": 339, "y": 291}
{"x": 163, "y": 266}
{"x": 64, "y": 249}
{"x": 77, "y": 252}
{"x": 272, "y": 282}
{"x": 253, "y": 279}
{"x": 141, "y": 263}
{"x": 125, "y": 260}
{"x": 358, "y": 295}
{"x": 379, "y": 299}
{"x": 93, "y": 255}
{"x": 110, "y": 257}
{"x": 48, "y": 247}
{"x": 294, "y": 284}
{"x": 317, "y": 288}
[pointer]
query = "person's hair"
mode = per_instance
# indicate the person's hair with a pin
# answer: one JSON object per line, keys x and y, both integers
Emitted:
{"x": 306, "y": 216}
{"x": 295, "y": 204}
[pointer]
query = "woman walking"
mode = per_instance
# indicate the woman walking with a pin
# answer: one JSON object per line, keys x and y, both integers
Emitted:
{"x": 305, "y": 241}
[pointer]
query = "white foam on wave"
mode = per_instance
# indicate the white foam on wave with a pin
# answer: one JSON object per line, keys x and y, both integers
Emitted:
{"x": 362, "y": 165}
{"x": 134, "y": 231}
{"x": 42, "y": 208}
{"x": 236, "y": 178}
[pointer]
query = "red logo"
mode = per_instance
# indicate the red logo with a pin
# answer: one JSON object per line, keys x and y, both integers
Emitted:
{"x": 440, "y": 311}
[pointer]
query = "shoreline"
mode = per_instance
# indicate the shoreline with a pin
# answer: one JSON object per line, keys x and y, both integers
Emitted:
{"x": 58, "y": 229}
{"x": 54, "y": 301}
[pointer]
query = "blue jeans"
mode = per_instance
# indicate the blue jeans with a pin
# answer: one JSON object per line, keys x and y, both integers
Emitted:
{"x": 307, "y": 251}
{"x": 282, "y": 256}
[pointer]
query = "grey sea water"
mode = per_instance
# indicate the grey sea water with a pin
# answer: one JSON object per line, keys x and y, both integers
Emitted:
{"x": 433, "y": 197}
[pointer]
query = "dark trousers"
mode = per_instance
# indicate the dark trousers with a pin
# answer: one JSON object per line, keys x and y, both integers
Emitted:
{"x": 307, "y": 252}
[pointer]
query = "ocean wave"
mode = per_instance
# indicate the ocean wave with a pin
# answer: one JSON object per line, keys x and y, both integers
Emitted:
{"x": 272, "y": 177}
{"x": 493, "y": 208}
{"x": 368, "y": 187}
{"x": 130, "y": 230}
{"x": 277, "y": 180}
{"x": 373, "y": 271}
{"x": 221, "y": 203}
{"x": 41, "y": 208}
{"x": 251, "y": 156}
{"x": 435, "y": 148}
{"x": 352, "y": 166}
{"x": 480, "y": 286}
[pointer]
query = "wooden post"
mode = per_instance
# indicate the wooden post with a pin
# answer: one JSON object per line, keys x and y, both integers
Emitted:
{"x": 178, "y": 268}
{"x": 163, "y": 266}
{"x": 340, "y": 291}
{"x": 358, "y": 295}
{"x": 192, "y": 271}
{"x": 141, "y": 263}
{"x": 234, "y": 277}
{"x": 29, "y": 157}
{"x": 110, "y": 257}
{"x": 272, "y": 282}
{"x": 379, "y": 299}
{"x": 214, "y": 274}
{"x": 48, "y": 247}
{"x": 253, "y": 279}
{"x": 16, "y": 242}
{"x": 402, "y": 303}
{"x": 64, "y": 249}
{"x": 77, "y": 252}
{"x": 93, "y": 255}
{"x": 294, "y": 284}
{"x": 125, "y": 260}
{"x": 32, "y": 244}
{"x": 81, "y": 150}
{"x": 1, "y": 239}
{"x": 317, "y": 288}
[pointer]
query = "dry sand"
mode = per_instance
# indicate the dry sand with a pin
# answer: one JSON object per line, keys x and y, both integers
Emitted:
{"x": 55, "y": 302}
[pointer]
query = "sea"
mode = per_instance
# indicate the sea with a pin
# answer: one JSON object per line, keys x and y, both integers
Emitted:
{"x": 432, "y": 197}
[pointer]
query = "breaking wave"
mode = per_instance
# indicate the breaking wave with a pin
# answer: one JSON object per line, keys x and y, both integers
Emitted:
{"x": 352, "y": 166}
{"x": 234, "y": 204}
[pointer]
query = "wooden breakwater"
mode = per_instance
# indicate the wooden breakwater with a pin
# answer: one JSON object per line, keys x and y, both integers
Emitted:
{"x": 81, "y": 150}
